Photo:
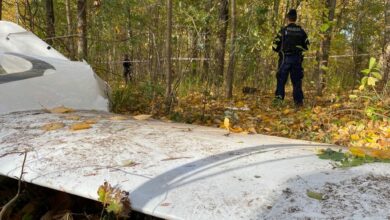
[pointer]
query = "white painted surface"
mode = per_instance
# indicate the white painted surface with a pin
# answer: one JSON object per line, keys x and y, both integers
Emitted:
{"x": 184, "y": 171}
{"x": 15, "y": 39}
{"x": 62, "y": 82}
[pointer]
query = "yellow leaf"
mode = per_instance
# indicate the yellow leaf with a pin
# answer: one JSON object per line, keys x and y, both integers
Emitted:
{"x": 371, "y": 81}
{"x": 226, "y": 123}
{"x": 72, "y": 117}
{"x": 286, "y": 111}
{"x": 53, "y": 126}
{"x": 142, "y": 117}
{"x": 317, "y": 110}
{"x": 359, "y": 152}
{"x": 236, "y": 130}
{"x": 252, "y": 131}
{"x": 355, "y": 137}
{"x": 118, "y": 118}
{"x": 61, "y": 110}
{"x": 91, "y": 121}
{"x": 80, "y": 126}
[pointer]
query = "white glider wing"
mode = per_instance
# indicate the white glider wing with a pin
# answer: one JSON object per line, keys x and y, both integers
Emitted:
{"x": 33, "y": 75}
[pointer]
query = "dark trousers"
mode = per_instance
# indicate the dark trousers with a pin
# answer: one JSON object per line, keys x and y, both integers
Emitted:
{"x": 290, "y": 64}
{"x": 127, "y": 75}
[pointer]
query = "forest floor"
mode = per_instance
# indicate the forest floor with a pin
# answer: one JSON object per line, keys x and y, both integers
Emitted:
{"x": 359, "y": 121}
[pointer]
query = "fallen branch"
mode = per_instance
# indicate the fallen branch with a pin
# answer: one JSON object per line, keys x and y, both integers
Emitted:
{"x": 14, "y": 152}
{"x": 6, "y": 206}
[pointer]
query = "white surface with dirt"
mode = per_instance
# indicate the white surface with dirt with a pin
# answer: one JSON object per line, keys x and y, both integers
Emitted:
{"x": 34, "y": 75}
{"x": 180, "y": 171}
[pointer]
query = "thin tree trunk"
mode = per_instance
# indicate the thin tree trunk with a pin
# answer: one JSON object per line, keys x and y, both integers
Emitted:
{"x": 325, "y": 46}
{"x": 1, "y": 9}
{"x": 207, "y": 47}
{"x": 222, "y": 35}
{"x": 386, "y": 46}
{"x": 69, "y": 22}
{"x": 275, "y": 13}
{"x": 168, "y": 90}
{"x": 194, "y": 54}
{"x": 50, "y": 28}
{"x": 82, "y": 29}
{"x": 230, "y": 71}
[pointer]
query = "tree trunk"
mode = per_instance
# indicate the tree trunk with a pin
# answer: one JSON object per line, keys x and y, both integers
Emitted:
{"x": 230, "y": 71}
{"x": 207, "y": 47}
{"x": 386, "y": 46}
{"x": 194, "y": 53}
{"x": 222, "y": 35}
{"x": 325, "y": 46}
{"x": 69, "y": 22}
{"x": 82, "y": 47}
{"x": 168, "y": 90}
{"x": 50, "y": 28}
{"x": 1, "y": 9}
{"x": 275, "y": 14}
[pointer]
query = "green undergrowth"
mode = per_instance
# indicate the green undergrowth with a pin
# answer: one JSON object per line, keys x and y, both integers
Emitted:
{"x": 345, "y": 159}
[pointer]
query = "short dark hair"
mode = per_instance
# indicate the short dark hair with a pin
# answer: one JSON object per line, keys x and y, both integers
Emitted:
{"x": 292, "y": 15}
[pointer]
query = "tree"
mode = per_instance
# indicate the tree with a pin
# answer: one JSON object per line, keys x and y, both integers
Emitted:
{"x": 222, "y": 35}
{"x": 1, "y": 9}
{"x": 386, "y": 45}
{"x": 325, "y": 44}
{"x": 207, "y": 47}
{"x": 82, "y": 47}
{"x": 69, "y": 22}
{"x": 50, "y": 28}
{"x": 168, "y": 89}
{"x": 230, "y": 72}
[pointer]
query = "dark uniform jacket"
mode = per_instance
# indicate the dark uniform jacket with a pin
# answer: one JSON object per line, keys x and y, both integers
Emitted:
{"x": 291, "y": 40}
{"x": 126, "y": 66}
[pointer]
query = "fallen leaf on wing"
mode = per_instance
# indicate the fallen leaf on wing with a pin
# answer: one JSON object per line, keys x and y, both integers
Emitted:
{"x": 118, "y": 118}
{"x": 53, "y": 126}
{"x": 315, "y": 195}
{"x": 91, "y": 121}
{"x": 165, "y": 204}
{"x": 142, "y": 117}
{"x": 72, "y": 117}
{"x": 80, "y": 126}
{"x": 129, "y": 163}
{"x": 61, "y": 110}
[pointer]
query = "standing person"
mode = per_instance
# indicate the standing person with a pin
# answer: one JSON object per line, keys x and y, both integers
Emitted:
{"x": 290, "y": 43}
{"x": 127, "y": 69}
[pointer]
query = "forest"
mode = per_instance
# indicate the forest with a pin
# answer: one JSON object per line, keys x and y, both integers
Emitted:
{"x": 211, "y": 62}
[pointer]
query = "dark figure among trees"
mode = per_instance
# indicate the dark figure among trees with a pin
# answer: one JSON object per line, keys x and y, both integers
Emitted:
{"x": 127, "y": 73}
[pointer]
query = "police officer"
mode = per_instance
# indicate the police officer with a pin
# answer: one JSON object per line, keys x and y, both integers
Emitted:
{"x": 127, "y": 69}
{"x": 290, "y": 42}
